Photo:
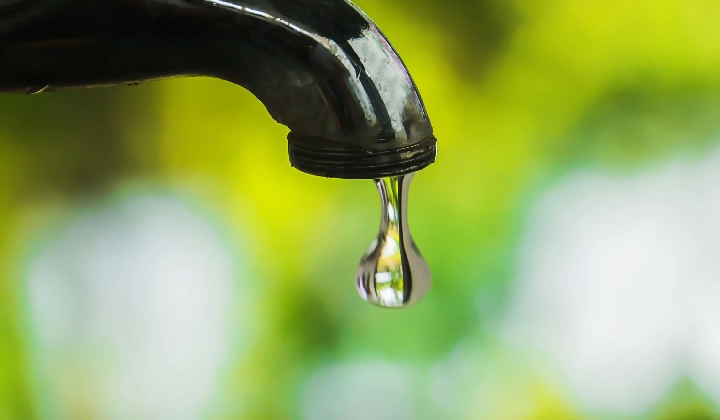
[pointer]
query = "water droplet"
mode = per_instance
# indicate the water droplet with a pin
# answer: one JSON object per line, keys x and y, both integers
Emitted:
{"x": 393, "y": 273}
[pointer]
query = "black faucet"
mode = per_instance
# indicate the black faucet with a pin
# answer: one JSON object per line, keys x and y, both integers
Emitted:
{"x": 321, "y": 67}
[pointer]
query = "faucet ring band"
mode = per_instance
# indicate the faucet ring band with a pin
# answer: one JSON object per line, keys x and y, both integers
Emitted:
{"x": 321, "y": 158}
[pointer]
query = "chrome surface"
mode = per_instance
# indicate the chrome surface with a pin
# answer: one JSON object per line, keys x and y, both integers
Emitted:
{"x": 321, "y": 67}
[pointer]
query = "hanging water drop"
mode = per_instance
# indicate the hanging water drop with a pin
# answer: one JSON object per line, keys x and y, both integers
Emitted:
{"x": 393, "y": 273}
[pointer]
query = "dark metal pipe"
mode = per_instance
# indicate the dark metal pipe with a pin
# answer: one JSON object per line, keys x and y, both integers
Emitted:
{"x": 321, "y": 67}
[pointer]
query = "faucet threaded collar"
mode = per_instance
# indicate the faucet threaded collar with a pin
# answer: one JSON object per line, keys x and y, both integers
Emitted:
{"x": 322, "y": 158}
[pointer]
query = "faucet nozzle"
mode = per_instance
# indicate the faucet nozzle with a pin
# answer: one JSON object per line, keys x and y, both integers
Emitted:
{"x": 321, "y": 67}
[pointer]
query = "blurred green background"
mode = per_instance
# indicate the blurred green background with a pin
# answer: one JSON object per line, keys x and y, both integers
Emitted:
{"x": 160, "y": 259}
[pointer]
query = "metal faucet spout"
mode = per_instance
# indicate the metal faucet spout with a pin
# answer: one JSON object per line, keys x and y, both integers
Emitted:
{"x": 321, "y": 67}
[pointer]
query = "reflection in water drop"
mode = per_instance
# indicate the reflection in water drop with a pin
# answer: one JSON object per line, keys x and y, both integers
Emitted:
{"x": 393, "y": 273}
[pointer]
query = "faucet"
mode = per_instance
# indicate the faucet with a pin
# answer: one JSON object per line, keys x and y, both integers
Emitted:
{"x": 321, "y": 67}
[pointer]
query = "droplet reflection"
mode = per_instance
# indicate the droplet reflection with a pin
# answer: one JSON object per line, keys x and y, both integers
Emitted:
{"x": 393, "y": 273}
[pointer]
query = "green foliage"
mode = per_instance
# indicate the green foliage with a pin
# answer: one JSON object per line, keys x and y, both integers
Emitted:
{"x": 518, "y": 94}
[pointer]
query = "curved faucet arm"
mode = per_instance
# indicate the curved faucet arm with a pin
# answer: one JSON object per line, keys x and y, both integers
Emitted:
{"x": 321, "y": 67}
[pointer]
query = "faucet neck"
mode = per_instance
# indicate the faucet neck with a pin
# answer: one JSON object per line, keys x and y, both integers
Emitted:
{"x": 321, "y": 67}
